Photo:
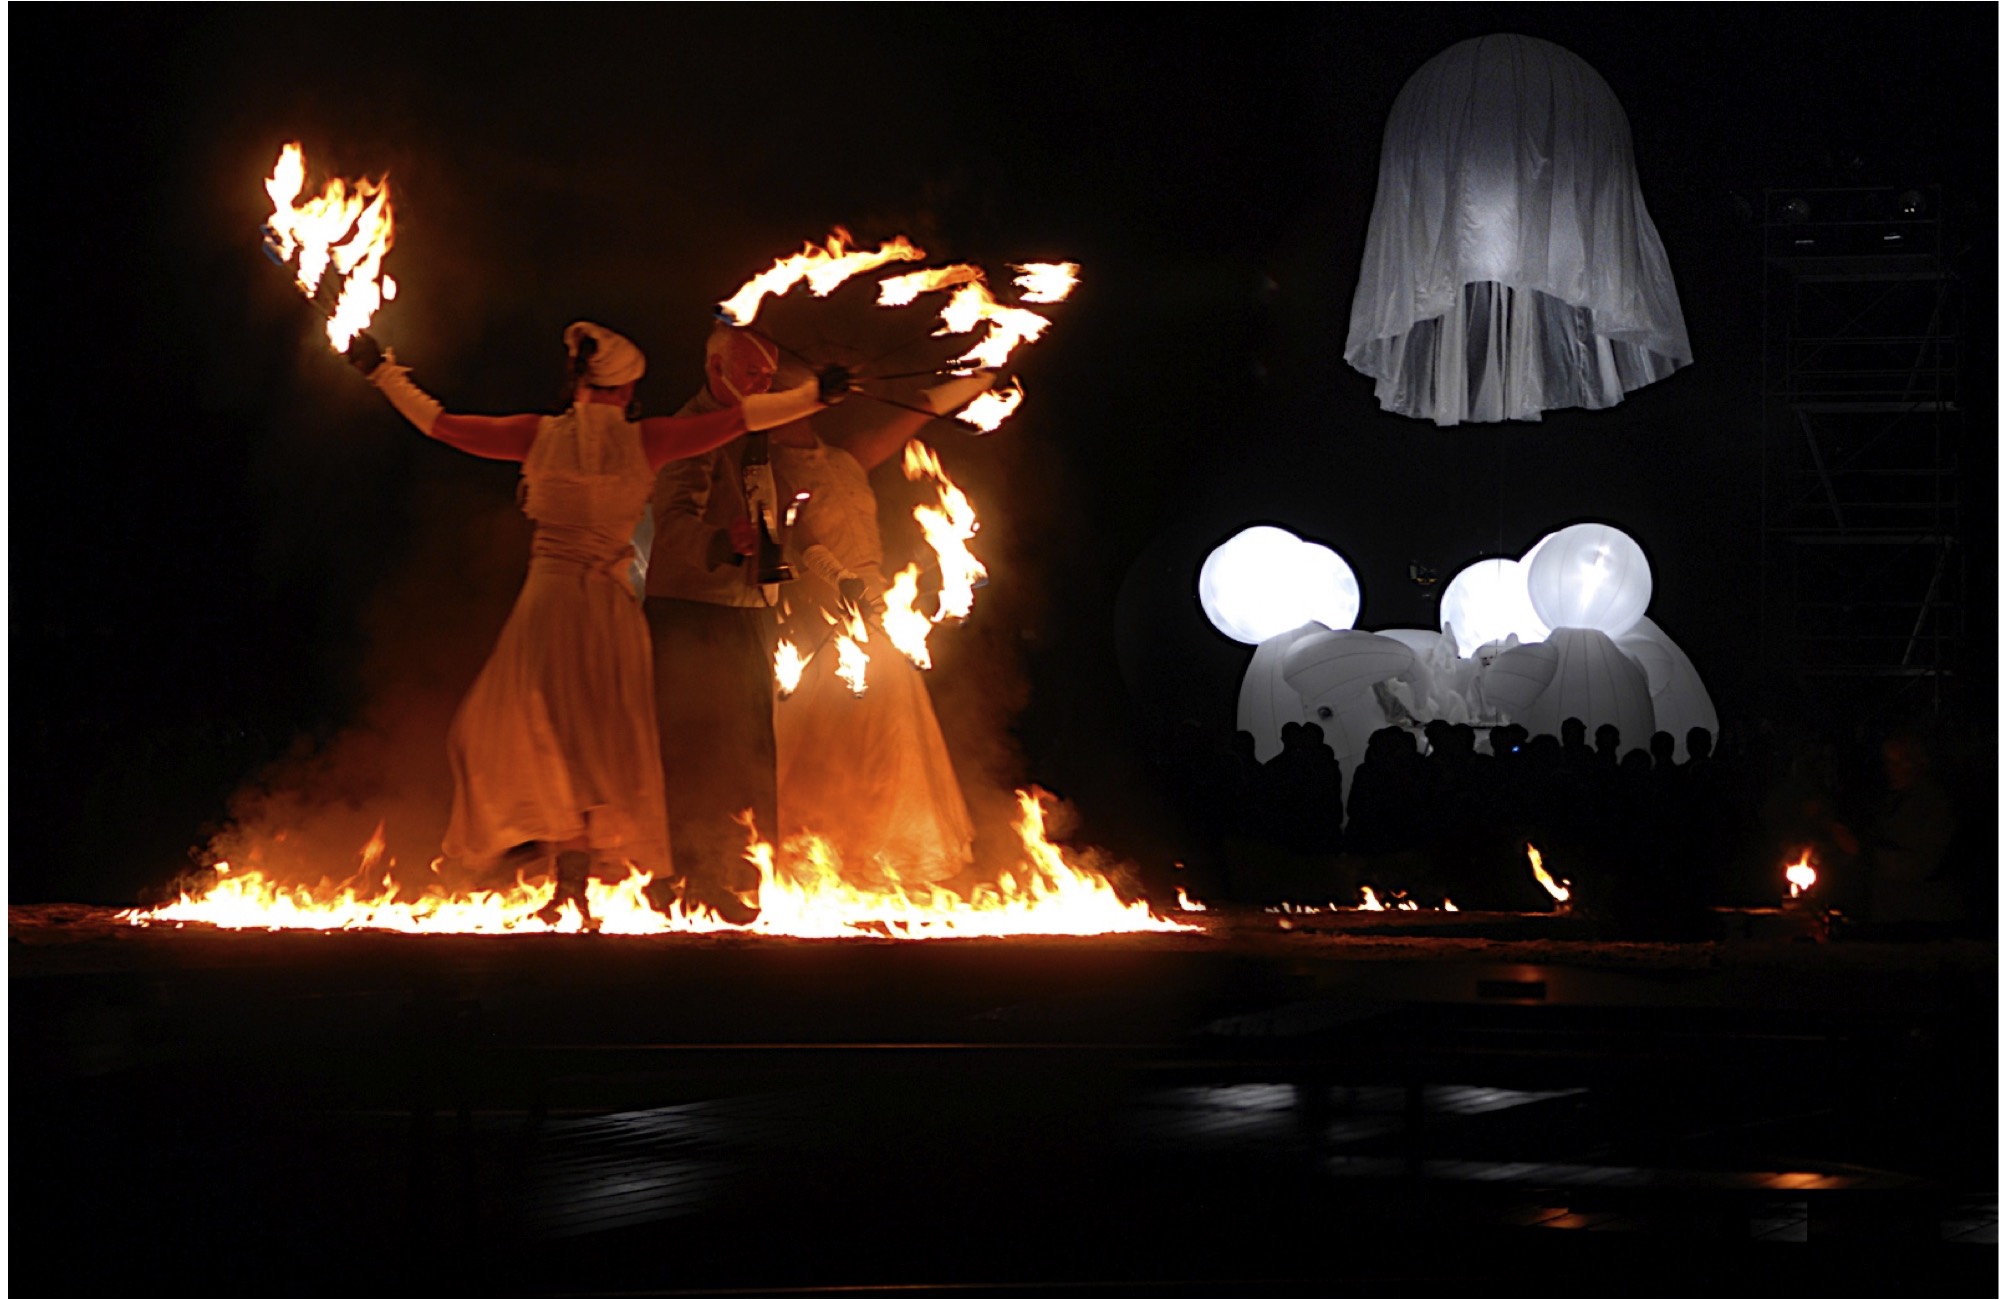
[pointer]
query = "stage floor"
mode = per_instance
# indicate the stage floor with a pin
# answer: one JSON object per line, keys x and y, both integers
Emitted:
{"x": 1464, "y": 1102}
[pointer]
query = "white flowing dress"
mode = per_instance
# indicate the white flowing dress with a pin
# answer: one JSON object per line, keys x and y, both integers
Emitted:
{"x": 871, "y": 774}
{"x": 557, "y": 738}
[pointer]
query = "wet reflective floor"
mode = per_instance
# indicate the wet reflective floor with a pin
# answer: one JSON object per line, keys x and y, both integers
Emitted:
{"x": 304, "y": 1114}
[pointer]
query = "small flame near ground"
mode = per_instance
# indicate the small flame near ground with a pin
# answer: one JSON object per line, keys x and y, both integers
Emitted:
{"x": 802, "y": 895}
{"x": 1558, "y": 890}
{"x": 1397, "y": 901}
{"x": 1801, "y": 875}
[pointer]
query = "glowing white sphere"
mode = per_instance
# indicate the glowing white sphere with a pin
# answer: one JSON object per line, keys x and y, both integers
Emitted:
{"x": 1264, "y": 581}
{"x": 1590, "y": 576}
{"x": 1329, "y": 590}
{"x": 1487, "y": 601}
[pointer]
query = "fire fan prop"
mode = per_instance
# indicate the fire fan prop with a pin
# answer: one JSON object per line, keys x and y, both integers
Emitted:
{"x": 947, "y": 525}
{"x": 802, "y": 896}
{"x": 349, "y": 229}
{"x": 971, "y": 306}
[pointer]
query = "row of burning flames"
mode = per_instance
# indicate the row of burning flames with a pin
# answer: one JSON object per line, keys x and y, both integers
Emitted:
{"x": 802, "y": 894}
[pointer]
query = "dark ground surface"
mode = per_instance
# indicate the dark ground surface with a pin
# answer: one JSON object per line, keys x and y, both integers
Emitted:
{"x": 1478, "y": 1105}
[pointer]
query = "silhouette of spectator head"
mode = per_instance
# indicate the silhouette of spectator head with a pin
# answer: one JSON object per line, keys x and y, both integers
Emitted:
{"x": 1700, "y": 744}
{"x": 1510, "y": 740}
{"x": 1310, "y": 737}
{"x": 1662, "y": 745}
{"x": 1636, "y": 763}
{"x": 1573, "y": 733}
{"x": 1607, "y": 741}
{"x": 1435, "y": 732}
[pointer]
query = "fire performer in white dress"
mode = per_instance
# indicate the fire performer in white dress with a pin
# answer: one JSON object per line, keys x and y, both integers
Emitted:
{"x": 556, "y": 741}
{"x": 869, "y": 773}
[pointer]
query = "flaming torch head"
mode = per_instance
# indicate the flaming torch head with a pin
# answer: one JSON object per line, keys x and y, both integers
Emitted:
{"x": 346, "y": 229}
{"x": 1800, "y": 875}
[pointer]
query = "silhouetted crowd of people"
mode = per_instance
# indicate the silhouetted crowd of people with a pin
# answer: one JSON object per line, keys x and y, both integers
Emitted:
{"x": 1652, "y": 837}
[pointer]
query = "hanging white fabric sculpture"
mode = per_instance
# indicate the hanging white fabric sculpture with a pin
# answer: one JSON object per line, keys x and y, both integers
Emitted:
{"x": 1593, "y": 680}
{"x": 1511, "y": 267}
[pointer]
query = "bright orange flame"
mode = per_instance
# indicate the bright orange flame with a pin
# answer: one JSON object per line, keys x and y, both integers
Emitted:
{"x": 790, "y": 667}
{"x": 986, "y": 411}
{"x": 823, "y": 270}
{"x": 1557, "y": 891}
{"x": 907, "y": 630}
{"x": 947, "y": 527}
{"x": 850, "y": 636}
{"x": 349, "y": 229}
{"x": 1188, "y": 904}
{"x": 801, "y": 894}
{"x": 1800, "y": 875}
{"x": 1045, "y": 281}
{"x": 902, "y": 290}
{"x": 1370, "y": 903}
{"x": 1009, "y": 327}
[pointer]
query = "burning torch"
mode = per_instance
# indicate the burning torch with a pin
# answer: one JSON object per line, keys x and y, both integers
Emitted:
{"x": 347, "y": 229}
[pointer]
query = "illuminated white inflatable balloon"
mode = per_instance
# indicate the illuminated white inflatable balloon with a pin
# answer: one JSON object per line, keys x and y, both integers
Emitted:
{"x": 1590, "y": 576}
{"x": 1264, "y": 581}
{"x": 1487, "y": 601}
{"x": 1596, "y": 681}
{"x": 1680, "y": 701}
{"x": 1267, "y": 701}
{"x": 1335, "y": 674}
{"x": 1516, "y": 678}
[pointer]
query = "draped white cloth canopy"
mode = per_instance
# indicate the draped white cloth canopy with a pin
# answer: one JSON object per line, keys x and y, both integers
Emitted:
{"x": 1511, "y": 267}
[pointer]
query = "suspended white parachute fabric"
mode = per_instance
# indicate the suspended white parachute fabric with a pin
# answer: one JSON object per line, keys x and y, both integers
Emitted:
{"x": 1511, "y": 267}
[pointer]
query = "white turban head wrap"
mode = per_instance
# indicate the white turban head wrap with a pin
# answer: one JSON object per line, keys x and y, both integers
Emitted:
{"x": 616, "y": 360}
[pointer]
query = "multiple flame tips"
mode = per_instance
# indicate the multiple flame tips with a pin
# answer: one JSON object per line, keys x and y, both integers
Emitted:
{"x": 349, "y": 228}
{"x": 1801, "y": 875}
{"x": 802, "y": 894}
{"x": 824, "y": 268}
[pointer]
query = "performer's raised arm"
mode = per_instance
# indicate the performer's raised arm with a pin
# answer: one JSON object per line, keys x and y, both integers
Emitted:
{"x": 495, "y": 437}
{"x": 672, "y": 437}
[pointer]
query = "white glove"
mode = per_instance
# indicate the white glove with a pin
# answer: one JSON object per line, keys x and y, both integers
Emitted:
{"x": 954, "y": 393}
{"x": 417, "y": 406}
{"x": 769, "y": 410}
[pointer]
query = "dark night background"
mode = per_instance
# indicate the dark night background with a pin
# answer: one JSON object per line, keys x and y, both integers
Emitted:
{"x": 226, "y": 552}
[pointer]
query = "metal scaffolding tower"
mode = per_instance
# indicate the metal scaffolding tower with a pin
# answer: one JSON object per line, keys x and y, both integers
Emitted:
{"x": 1863, "y": 562}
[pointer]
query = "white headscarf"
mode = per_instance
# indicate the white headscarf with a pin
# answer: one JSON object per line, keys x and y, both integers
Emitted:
{"x": 617, "y": 359}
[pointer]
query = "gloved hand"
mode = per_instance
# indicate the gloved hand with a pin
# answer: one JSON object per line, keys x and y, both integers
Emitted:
{"x": 364, "y": 353}
{"x": 864, "y": 591}
{"x": 834, "y": 383}
{"x": 945, "y": 398}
